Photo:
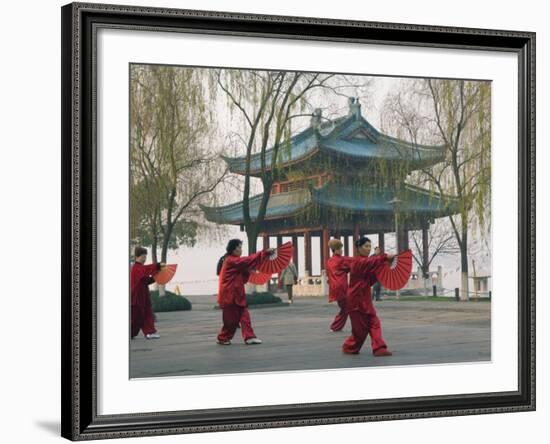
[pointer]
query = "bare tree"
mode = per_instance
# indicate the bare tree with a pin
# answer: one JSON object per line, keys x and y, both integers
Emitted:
{"x": 455, "y": 114}
{"x": 267, "y": 101}
{"x": 441, "y": 241}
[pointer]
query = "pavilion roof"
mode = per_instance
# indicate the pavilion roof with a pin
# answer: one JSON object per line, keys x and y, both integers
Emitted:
{"x": 351, "y": 137}
{"x": 366, "y": 200}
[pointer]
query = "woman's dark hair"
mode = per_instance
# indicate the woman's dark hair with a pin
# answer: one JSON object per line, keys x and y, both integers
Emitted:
{"x": 140, "y": 251}
{"x": 231, "y": 245}
{"x": 361, "y": 241}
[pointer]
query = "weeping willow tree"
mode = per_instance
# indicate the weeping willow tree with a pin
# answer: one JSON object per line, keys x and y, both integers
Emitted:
{"x": 172, "y": 165}
{"x": 457, "y": 115}
{"x": 266, "y": 102}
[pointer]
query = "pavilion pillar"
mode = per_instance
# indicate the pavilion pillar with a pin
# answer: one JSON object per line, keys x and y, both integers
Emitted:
{"x": 381, "y": 243}
{"x": 398, "y": 241}
{"x": 346, "y": 245}
{"x": 324, "y": 247}
{"x": 279, "y": 241}
{"x": 265, "y": 240}
{"x": 425, "y": 251}
{"x": 355, "y": 237}
{"x": 295, "y": 250}
{"x": 402, "y": 239}
{"x": 307, "y": 252}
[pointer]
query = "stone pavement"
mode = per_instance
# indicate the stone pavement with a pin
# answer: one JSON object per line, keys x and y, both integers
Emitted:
{"x": 297, "y": 337}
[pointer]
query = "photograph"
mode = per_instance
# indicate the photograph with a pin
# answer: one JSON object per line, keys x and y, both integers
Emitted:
{"x": 294, "y": 220}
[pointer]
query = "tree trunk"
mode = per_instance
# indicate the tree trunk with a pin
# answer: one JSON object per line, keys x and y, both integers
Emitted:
{"x": 464, "y": 296}
{"x": 252, "y": 236}
{"x": 164, "y": 254}
{"x": 425, "y": 268}
{"x": 165, "y": 243}
{"x": 154, "y": 250}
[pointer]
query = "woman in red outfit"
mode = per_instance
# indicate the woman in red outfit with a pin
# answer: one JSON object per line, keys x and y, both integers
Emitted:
{"x": 234, "y": 271}
{"x": 362, "y": 313}
{"x": 338, "y": 267}
{"x": 141, "y": 276}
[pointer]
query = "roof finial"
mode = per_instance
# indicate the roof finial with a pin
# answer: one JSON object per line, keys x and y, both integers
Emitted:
{"x": 354, "y": 107}
{"x": 316, "y": 118}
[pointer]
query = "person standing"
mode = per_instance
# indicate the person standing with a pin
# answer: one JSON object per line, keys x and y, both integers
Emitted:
{"x": 141, "y": 276}
{"x": 289, "y": 277}
{"x": 364, "y": 320}
{"x": 338, "y": 267}
{"x": 234, "y": 271}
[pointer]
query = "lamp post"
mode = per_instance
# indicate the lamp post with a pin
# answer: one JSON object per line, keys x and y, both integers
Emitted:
{"x": 395, "y": 203}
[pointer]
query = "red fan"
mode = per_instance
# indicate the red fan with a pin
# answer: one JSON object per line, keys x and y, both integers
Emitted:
{"x": 278, "y": 260}
{"x": 258, "y": 278}
{"x": 396, "y": 274}
{"x": 165, "y": 274}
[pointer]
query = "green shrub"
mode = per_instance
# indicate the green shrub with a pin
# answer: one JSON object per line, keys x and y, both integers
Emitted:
{"x": 169, "y": 302}
{"x": 262, "y": 298}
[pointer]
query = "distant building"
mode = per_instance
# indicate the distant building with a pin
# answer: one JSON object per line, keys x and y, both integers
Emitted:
{"x": 481, "y": 286}
{"x": 435, "y": 277}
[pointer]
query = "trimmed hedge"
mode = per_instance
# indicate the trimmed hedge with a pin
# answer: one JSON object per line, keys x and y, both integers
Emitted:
{"x": 262, "y": 298}
{"x": 169, "y": 302}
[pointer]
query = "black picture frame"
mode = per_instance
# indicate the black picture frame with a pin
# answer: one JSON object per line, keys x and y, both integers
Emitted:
{"x": 80, "y": 420}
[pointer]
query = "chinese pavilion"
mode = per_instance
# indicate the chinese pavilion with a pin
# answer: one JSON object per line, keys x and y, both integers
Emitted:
{"x": 341, "y": 178}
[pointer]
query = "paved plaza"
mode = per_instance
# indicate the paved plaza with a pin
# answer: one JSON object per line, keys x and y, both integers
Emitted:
{"x": 297, "y": 337}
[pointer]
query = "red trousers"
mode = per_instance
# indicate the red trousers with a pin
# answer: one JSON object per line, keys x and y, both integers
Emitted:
{"x": 363, "y": 324}
{"x": 341, "y": 317}
{"x": 142, "y": 319}
{"x": 233, "y": 315}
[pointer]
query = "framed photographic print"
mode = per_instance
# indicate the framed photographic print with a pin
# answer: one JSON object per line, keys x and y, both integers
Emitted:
{"x": 275, "y": 221}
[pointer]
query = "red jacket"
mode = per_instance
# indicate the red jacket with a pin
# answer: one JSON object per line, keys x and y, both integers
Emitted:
{"x": 361, "y": 279}
{"x": 141, "y": 276}
{"x": 338, "y": 267}
{"x": 234, "y": 274}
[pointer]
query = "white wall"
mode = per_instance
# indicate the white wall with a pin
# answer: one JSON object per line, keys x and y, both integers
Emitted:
{"x": 30, "y": 184}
